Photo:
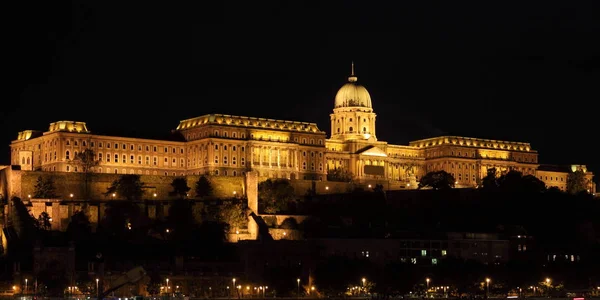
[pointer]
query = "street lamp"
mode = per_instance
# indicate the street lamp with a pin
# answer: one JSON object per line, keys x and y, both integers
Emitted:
{"x": 363, "y": 283}
{"x": 548, "y": 283}
{"x": 427, "y": 280}
{"x": 26, "y": 285}
{"x": 487, "y": 284}
{"x": 97, "y": 290}
{"x": 233, "y": 284}
{"x": 298, "y": 290}
{"x": 167, "y": 286}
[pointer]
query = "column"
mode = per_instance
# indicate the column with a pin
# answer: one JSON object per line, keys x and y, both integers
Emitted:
{"x": 251, "y": 156}
{"x": 270, "y": 157}
{"x": 278, "y": 158}
{"x": 287, "y": 158}
{"x": 260, "y": 150}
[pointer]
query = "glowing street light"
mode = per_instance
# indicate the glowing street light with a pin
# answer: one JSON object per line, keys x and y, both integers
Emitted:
{"x": 71, "y": 195}
{"x": 298, "y": 289}
{"x": 154, "y": 195}
{"x": 427, "y": 280}
{"x": 487, "y": 285}
{"x": 114, "y": 195}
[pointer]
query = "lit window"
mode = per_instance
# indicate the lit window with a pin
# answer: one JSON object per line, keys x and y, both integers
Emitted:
{"x": 423, "y": 252}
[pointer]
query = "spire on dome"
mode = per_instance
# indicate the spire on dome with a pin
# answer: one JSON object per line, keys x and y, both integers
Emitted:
{"x": 352, "y": 77}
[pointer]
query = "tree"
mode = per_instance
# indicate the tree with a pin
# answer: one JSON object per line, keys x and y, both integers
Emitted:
{"x": 44, "y": 221}
{"x": 339, "y": 175}
{"x": 44, "y": 188}
{"x": 576, "y": 182}
{"x": 128, "y": 186}
{"x": 181, "y": 220}
{"x": 180, "y": 187}
{"x": 275, "y": 194}
{"x": 439, "y": 180}
{"x": 203, "y": 187}
{"x": 79, "y": 227}
{"x": 234, "y": 214}
{"x": 85, "y": 162}
{"x": 25, "y": 224}
{"x": 489, "y": 182}
{"x": 514, "y": 182}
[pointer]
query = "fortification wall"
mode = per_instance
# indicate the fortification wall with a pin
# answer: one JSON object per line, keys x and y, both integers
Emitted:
{"x": 67, "y": 183}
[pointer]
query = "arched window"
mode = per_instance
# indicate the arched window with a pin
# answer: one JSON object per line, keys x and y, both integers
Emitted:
{"x": 364, "y": 129}
{"x": 67, "y": 154}
{"x": 350, "y": 129}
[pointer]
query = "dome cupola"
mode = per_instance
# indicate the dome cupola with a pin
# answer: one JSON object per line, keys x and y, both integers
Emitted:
{"x": 352, "y": 94}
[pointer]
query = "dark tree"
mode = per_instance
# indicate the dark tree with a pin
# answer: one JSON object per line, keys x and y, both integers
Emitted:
{"x": 79, "y": 227}
{"x": 120, "y": 219}
{"x": 289, "y": 223}
{"x": 44, "y": 188}
{"x": 180, "y": 221}
{"x": 44, "y": 221}
{"x": 25, "y": 224}
{"x": 127, "y": 186}
{"x": 339, "y": 175}
{"x": 203, "y": 187}
{"x": 180, "y": 187}
{"x": 439, "y": 180}
{"x": 85, "y": 162}
{"x": 275, "y": 194}
{"x": 515, "y": 182}
{"x": 490, "y": 181}
{"x": 576, "y": 182}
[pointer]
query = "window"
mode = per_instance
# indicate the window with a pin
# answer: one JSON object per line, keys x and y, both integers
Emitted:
{"x": 107, "y": 157}
{"x": 350, "y": 129}
{"x": 116, "y": 146}
{"x": 216, "y": 159}
{"x": 67, "y": 155}
{"x": 108, "y": 145}
{"x": 166, "y": 149}
{"x": 224, "y": 160}
{"x": 139, "y": 159}
{"x": 155, "y": 161}
{"x": 116, "y": 158}
{"x": 124, "y": 147}
{"x": 423, "y": 252}
{"x": 444, "y": 252}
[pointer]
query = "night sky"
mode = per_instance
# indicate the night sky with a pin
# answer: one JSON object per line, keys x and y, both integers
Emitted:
{"x": 520, "y": 71}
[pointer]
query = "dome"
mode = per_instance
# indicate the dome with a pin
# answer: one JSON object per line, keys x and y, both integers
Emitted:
{"x": 352, "y": 94}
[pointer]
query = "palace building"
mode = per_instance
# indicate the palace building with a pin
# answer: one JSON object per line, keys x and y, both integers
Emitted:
{"x": 226, "y": 145}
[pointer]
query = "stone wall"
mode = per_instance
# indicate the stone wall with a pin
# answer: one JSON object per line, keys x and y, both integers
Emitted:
{"x": 68, "y": 183}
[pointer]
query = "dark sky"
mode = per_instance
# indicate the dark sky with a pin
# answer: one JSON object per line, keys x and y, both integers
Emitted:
{"x": 521, "y": 71}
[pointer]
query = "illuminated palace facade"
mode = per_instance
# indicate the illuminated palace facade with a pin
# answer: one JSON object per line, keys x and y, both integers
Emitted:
{"x": 226, "y": 145}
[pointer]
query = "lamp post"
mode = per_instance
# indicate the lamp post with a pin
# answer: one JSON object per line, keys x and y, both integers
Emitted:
{"x": 298, "y": 289}
{"x": 363, "y": 285}
{"x": 427, "y": 280}
{"x": 97, "y": 289}
{"x": 233, "y": 286}
{"x": 26, "y": 285}
{"x": 487, "y": 285}
{"x": 548, "y": 283}
{"x": 168, "y": 294}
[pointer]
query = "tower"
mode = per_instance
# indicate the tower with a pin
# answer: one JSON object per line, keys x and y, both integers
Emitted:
{"x": 353, "y": 117}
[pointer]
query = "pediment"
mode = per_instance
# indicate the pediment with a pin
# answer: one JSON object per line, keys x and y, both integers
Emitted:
{"x": 373, "y": 151}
